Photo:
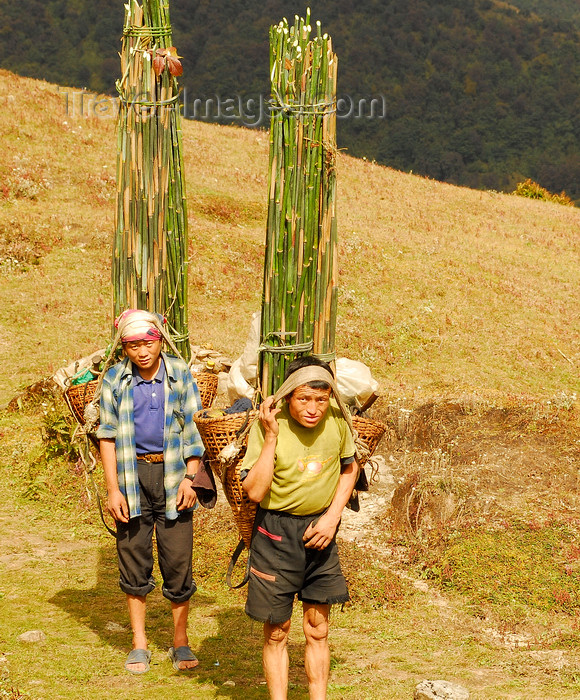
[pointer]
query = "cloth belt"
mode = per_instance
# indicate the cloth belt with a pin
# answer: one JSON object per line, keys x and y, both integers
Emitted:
{"x": 152, "y": 457}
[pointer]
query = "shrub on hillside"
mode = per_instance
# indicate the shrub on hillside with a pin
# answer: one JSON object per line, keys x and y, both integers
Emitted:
{"x": 532, "y": 190}
{"x": 55, "y": 468}
{"x": 480, "y": 564}
{"x": 370, "y": 581}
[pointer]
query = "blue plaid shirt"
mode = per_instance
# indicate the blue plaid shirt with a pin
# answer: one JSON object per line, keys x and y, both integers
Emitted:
{"x": 181, "y": 439}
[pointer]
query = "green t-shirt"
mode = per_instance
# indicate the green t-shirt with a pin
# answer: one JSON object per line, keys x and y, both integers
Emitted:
{"x": 307, "y": 461}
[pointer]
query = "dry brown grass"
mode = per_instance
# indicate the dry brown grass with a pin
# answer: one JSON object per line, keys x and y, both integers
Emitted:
{"x": 464, "y": 305}
{"x": 443, "y": 289}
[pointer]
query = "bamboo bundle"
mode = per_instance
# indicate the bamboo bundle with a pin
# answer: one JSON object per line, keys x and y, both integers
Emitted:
{"x": 149, "y": 268}
{"x": 299, "y": 297}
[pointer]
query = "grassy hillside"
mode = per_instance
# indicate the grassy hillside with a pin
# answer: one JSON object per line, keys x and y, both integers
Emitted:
{"x": 479, "y": 93}
{"x": 464, "y": 561}
{"x": 443, "y": 289}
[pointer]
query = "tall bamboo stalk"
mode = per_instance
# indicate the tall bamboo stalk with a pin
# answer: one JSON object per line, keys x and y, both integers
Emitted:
{"x": 149, "y": 268}
{"x": 299, "y": 297}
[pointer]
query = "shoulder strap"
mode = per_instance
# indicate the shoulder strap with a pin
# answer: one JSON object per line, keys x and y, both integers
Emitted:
{"x": 235, "y": 556}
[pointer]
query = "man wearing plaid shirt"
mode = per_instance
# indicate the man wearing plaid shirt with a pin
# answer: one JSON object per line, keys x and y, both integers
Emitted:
{"x": 151, "y": 449}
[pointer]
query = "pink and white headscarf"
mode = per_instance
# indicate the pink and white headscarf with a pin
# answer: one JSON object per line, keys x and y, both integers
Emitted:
{"x": 136, "y": 324}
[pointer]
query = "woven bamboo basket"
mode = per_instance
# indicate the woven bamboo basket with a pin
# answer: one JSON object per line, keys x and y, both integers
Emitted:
{"x": 207, "y": 383}
{"x": 244, "y": 510}
{"x": 78, "y": 396}
{"x": 220, "y": 431}
{"x": 216, "y": 433}
{"x": 370, "y": 432}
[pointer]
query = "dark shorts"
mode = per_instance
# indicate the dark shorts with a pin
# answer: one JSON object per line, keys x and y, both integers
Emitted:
{"x": 174, "y": 540}
{"x": 282, "y": 567}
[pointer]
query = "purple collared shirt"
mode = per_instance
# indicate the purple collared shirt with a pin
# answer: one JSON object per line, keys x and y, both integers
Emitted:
{"x": 149, "y": 411}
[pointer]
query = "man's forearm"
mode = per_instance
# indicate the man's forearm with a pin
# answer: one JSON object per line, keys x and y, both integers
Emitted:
{"x": 109, "y": 460}
{"x": 192, "y": 465}
{"x": 346, "y": 483}
{"x": 259, "y": 479}
{"x": 116, "y": 502}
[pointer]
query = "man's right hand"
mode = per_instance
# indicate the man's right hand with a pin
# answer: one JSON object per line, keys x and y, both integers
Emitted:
{"x": 268, "y": 413}
{"x": 117, "y": 506}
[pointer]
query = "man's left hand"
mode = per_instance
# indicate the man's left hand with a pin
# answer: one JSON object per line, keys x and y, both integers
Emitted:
{"x": 319, "y": 534}
{"x": 186, "y": 496}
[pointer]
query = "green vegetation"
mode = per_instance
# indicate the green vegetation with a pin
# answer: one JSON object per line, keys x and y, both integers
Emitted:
{"x": 522, "y": 565}
{"x": 531, "y": 189}
{"x": 476, "y": 93}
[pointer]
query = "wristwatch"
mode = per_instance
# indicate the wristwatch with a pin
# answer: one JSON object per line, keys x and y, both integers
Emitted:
{"x": 191, "y": 477}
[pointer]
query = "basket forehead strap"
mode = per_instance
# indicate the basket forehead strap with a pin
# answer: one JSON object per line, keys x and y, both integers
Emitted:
{"x": 302, "y": 376}
{"x": 312, "y": 373}
{"x": 117, "y": 340}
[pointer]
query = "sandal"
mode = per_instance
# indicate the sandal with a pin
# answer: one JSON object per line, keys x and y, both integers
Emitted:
{"x": 179, "y": 654}
{"x": 138, "y": 656}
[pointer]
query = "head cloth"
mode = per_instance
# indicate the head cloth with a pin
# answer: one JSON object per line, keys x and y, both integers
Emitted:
{"x": 312, "y": 373}
{"x": 137, "y": 324}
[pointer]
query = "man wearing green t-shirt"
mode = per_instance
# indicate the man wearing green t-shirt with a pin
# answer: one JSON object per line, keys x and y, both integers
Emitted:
{"x": 302, "y": 471}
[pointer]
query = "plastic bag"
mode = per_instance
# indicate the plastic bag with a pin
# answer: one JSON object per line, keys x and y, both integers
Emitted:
{"x": 237, "y": 386}
{"x": 243, "y": 374}
{"x": 355, "y": 383}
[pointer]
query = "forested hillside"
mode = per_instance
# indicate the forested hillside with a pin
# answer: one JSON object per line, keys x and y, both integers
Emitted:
{"x": 472, "y": 92}
{"x": 554, "y": 11}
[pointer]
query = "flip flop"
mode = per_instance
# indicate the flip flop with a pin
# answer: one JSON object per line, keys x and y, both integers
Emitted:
{"x": 138, "y": 656}
{"x": 179, "y": 654}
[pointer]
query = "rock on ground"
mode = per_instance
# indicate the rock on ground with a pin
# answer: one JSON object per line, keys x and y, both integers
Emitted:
{"x": 440, "y": 690}
{"x": 32, "y": 636}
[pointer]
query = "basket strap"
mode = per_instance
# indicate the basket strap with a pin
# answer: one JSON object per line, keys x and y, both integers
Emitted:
{"x": 244, "y": 429}
{"x": 229, "y": 453}
{"x": 235, "y": 556}
{"x": 98, "y": 497}
{"x": 80, "y": 438}
{"x": 108, "y": 363}
{"x": 298, "y": 378}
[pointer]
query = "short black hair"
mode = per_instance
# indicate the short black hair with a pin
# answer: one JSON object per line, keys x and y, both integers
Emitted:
{"x": 309, "y": 361}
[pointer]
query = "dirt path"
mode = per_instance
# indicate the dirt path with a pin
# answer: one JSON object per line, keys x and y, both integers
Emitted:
{"x": 59, "y": 576}
{"x": 373, "y": 503}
